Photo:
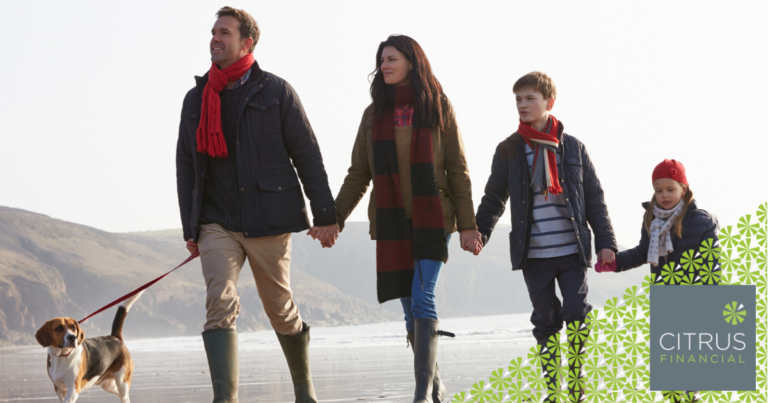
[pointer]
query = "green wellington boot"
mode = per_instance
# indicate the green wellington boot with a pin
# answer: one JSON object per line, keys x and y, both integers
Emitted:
{"x": 296, "y": 350}
{"x": 221, "y": 349}
{"x": 438, "y": 388}
{"x": 424, "y": 357}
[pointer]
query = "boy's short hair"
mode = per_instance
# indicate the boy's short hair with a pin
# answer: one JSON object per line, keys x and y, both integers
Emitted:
{"x": 248, "y": 26}
{"x": 537, "y": 81}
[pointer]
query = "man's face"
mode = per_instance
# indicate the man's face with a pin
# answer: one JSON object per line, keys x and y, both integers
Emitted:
{"x": 226, "y": 45}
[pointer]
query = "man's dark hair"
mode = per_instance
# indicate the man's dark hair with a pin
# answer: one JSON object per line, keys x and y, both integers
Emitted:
{"x": 248, "y": 26}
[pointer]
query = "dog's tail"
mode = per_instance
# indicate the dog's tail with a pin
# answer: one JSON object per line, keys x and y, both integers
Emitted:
{"x": 122, "y": 311}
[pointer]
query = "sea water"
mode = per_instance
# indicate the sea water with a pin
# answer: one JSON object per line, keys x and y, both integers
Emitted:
{"x": 499, "y": 328}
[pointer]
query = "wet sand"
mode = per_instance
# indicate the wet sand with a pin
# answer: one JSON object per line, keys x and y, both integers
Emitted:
{"x": 340, "y": 374}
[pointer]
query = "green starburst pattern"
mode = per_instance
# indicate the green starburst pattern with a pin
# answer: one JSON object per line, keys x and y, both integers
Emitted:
{"x": 671, "y": 273}
{"x": 710, "y": 273}
{"x": 747, "y": 275}
{"x": 728, "y": 237}
{"x": 500, "y": 380}
{"x": 616, "y": 355}
{"x": 747, "y": 249}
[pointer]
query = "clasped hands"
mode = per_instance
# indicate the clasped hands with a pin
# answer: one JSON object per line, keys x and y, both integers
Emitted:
{"x": 327, "y": 235}
{"x": 471, "y": 241}
{"x": 606, "y": 261}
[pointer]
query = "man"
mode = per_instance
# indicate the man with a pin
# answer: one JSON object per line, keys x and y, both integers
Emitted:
{"x": 242, "y": 139}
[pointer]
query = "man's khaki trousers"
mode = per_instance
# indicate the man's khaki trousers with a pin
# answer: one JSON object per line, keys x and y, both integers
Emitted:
{"x": 223, "y": 254}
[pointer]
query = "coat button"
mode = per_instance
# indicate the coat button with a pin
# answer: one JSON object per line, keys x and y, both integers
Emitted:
{"x": 521, "y": 222}
{"x": 523, "y": 201}
{"x": 267, "y": 78}
{"x": 261, "y": 85}
{"x": 246, "y": 99}
{"x": 577, "y": 237}
{"x": 279, "y": 188}
{"x": 323, "y": 209}
{"x": 566, "y": 199}
{"x": 519, "y": 241}
{"x": 242, "y": 189}
{"x": 572, "y": 218}
{"x": 246, "y": 233}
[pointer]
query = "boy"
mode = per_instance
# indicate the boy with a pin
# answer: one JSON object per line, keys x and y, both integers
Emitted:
{"x": 554, "y": 192}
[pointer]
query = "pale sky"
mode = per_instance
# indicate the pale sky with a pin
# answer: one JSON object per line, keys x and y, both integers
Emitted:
{"x": 92, "y": 92}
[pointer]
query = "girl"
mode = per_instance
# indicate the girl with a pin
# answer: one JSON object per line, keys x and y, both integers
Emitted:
{"x": 672, "y": 225}
{"x": 410, "y": 145}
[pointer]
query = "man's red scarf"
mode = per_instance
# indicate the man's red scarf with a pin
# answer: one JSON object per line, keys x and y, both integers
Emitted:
{"x": 536, "y": 139}
{"x": 397, "y": 244}
{"x": 210, "y": 137}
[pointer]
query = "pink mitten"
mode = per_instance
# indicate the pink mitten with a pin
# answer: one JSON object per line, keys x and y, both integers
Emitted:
{"x": 610, "y": 267}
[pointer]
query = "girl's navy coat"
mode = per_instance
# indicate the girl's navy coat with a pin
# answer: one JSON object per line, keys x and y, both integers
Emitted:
{"x": 698, "y": 225}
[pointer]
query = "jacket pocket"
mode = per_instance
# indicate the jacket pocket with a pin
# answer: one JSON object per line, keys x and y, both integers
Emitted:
{"x": 574, "y": 169}
{"x": 263, "y": 116}
{"x": 263, "y": 104}
{"x": 281, "y": 201}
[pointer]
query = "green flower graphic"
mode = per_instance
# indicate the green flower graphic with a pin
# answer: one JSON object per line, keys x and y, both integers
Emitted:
{"x": 613, "y": 309}
{"x": 691, "y": 260}
{"x": 728, "y": 261}
{"x": 634, "y": 368}
{"x": 709, "y": 250}
{"x": 734, "y": 313}
{"x": 728, "y": 237}
{"x": 577, "y": 332}
{"x": 499, "y": 380}
{"x": 746, "y": 250}
{"x": 518, "y": 393}
{"x": 762, "y": 234}
{"x": 536, "y": 379}
{"x": 536, "y": 354}
{"x": 595, "y": 322}
{"x": 516, "y": 368}
{"x": 746, "y": 228}
{"x": 616, "y": 357}
{"x": 747, "y": 276}
{"x": 709, "y": 273}
{"x": 671, "y": 273}
{"x": 480, "y": 393}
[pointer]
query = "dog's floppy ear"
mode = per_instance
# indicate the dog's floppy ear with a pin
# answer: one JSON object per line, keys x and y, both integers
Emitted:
{"x": 80, "y": 333}
{"x": 43, "y": 335}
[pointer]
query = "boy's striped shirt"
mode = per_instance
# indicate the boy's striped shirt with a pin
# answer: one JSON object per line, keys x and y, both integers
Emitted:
{"x": 552, "y": 232}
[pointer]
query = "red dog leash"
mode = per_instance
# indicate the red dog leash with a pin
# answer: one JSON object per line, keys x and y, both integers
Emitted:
{"x": 144, "y": 287}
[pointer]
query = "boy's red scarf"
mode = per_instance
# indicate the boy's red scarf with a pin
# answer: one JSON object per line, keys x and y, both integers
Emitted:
{"x": 210, "y": 137}
{"x": 536, "y": 139}
{"x": 396, "y": 248}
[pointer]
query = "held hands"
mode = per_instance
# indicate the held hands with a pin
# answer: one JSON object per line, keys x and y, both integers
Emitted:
{"x": 327, "y": 235}
{"x": 471, "y": 241}
{"x": 606, "y": 261}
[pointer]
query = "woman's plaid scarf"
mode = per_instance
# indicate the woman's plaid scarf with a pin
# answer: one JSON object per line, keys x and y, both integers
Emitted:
{"x": 396, "y": 244}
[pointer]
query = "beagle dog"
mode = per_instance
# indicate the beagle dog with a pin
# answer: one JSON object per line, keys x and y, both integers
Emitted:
{"x": 76, "y": 363}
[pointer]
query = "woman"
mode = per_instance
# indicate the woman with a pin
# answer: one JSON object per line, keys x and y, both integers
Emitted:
{"x": 409, "y": 144}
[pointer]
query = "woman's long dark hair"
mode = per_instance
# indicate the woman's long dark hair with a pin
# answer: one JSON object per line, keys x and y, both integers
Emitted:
{"x": 429, "y": 100}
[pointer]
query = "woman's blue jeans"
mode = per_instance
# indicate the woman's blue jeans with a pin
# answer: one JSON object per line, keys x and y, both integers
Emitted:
{"x": 421, "y": 303}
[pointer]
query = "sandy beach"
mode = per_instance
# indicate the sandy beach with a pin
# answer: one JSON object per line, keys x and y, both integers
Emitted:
{"x": 349, "y": 364}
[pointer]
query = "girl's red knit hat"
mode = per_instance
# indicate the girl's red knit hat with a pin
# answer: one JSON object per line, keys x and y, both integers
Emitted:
{"x": 670, "y": 169}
